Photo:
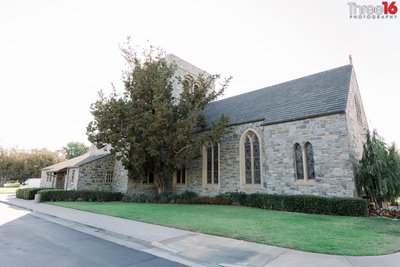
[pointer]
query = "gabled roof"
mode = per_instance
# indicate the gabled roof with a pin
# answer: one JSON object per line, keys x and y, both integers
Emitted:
{"x": 316, "y": 95}
{"x": 76, "y": 162}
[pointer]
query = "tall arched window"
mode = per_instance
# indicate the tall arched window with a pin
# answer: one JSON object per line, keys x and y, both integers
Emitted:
{"x": 304, "y": 161}
{"x": 310, "y": 161}
{"x": 298, "y": 153}
{"x": 211, "y": 164}
{"x": 250, "y": 158}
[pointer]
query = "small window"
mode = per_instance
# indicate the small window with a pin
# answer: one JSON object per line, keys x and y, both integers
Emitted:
{"x": 109, "y": 177}
{"x": 181, "y": 176}
{"x": 150, "y": 178}
{"x": 73, "y": 176}
{"x": 304, "y": 162}
{"x": 49, "y": 177}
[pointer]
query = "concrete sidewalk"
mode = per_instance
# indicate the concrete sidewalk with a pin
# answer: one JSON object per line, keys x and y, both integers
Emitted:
{"x": 189, "y": 248}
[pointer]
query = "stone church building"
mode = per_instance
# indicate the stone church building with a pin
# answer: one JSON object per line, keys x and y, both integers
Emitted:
{"x": 299, "y": 137}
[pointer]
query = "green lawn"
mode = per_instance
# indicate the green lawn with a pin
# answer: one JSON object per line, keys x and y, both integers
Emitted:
{"x": 315, "y": 233}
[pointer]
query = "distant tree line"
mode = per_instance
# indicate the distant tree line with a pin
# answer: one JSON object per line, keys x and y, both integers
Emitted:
{"x": 22, "y": 164}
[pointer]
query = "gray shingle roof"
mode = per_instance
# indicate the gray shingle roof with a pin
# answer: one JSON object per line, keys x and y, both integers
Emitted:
{"x": 311, "y": 96}
{"x": 75, "y": 162}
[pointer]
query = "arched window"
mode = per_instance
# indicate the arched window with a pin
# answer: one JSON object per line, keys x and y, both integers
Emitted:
{"x": 211, "y": 164}
{"x": 250, "y": 159}
{"x": 298, "y": 153}
{"x": 304, "y": 161}
{"x": 310, "y": 161}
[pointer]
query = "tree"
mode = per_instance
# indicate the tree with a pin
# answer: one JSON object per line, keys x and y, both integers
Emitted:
{"x": 379, "y": 170}
{"x": 75, "y": 149}
{"x": 148, "y": 129}
{"x": 20, "y": 165}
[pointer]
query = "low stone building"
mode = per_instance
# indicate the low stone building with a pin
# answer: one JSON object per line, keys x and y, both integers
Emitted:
{"x": 299, "y": 137}
{"x": 93, "y": 170}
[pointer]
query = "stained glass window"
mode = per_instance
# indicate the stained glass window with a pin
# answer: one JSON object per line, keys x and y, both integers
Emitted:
{"x": 209, "y": 165}
{"x": 247, "y": 158}
{"x": 212, "y": 163}
{"x": 310, "y": 161}
{"x": 252, "y": 161}
{"x": 299, "y": 161}
{"x": 256, "y": 160}
{"x": 215, "y": 159}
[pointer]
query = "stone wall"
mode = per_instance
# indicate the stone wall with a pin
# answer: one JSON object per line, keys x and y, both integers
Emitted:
{"x": 333, "y": 161}
{"x": 356, "y": 120}
{"x": 333, "y": 165}
{"x": 92, "y": 175}
{"x": 43, "y": 181}
{"x": 120, "y": 178}
{"x": 72, "y": 178}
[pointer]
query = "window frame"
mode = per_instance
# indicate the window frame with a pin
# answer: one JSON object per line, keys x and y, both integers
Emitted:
{"x": 205, "y": 170}
{"x": 146, "y": 181}
{"x": 180, "y": 183}
{"x": 306, "y": 180}
{"x": 242, "y": 158}
{"x": 108, "y": 179}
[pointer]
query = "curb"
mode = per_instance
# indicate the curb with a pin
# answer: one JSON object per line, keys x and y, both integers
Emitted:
{"x": 154, "y": 248}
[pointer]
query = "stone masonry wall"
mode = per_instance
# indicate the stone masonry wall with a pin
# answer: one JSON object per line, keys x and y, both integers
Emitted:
{"x": 333, "y": 161}
{"x": 92, "y": 175}
{"x": 43, "y": 180}
{"x": 333, "y": 166}
{"x": 72, "y": 182}
{"x": 357, "y": 124}
{"x": 120, "y": 178}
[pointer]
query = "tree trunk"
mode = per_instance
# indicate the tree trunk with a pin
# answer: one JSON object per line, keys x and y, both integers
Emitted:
{"x": 159, "y": 181}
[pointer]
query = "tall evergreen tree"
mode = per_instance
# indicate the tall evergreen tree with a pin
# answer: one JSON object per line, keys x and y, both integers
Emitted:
{"x": 379, "y": 170}
{"x": 148, "y": 129}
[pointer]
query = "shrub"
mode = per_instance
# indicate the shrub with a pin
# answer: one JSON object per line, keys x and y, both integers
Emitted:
{"x": 205, "y": 200}
{"x": 165, "y": 197}
{"x": 300, "y": 203}
{"x": 72, "y": 195}
{"x": 138, "y": 198}
{"x": 27, "y": 193}
{"x": 187, "y": 195}
{"x": 292, "y": 203}
{"x": 234, "y": 197}
{"x": 310, "y": 204}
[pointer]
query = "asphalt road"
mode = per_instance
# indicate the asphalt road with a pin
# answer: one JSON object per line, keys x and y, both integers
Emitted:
{"x": 26, "y": 240}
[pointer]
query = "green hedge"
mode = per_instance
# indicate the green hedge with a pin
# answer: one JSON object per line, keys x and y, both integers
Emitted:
{"x": 301, "y": 203}
{"x": 166, "y": 197}
{"x": 27, "y": 193}
{"x": 293, "y": 203}
{"x": 79, "y": 195}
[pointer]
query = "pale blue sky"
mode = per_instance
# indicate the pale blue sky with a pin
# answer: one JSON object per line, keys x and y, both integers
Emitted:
{"x": 56, "y": 55}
